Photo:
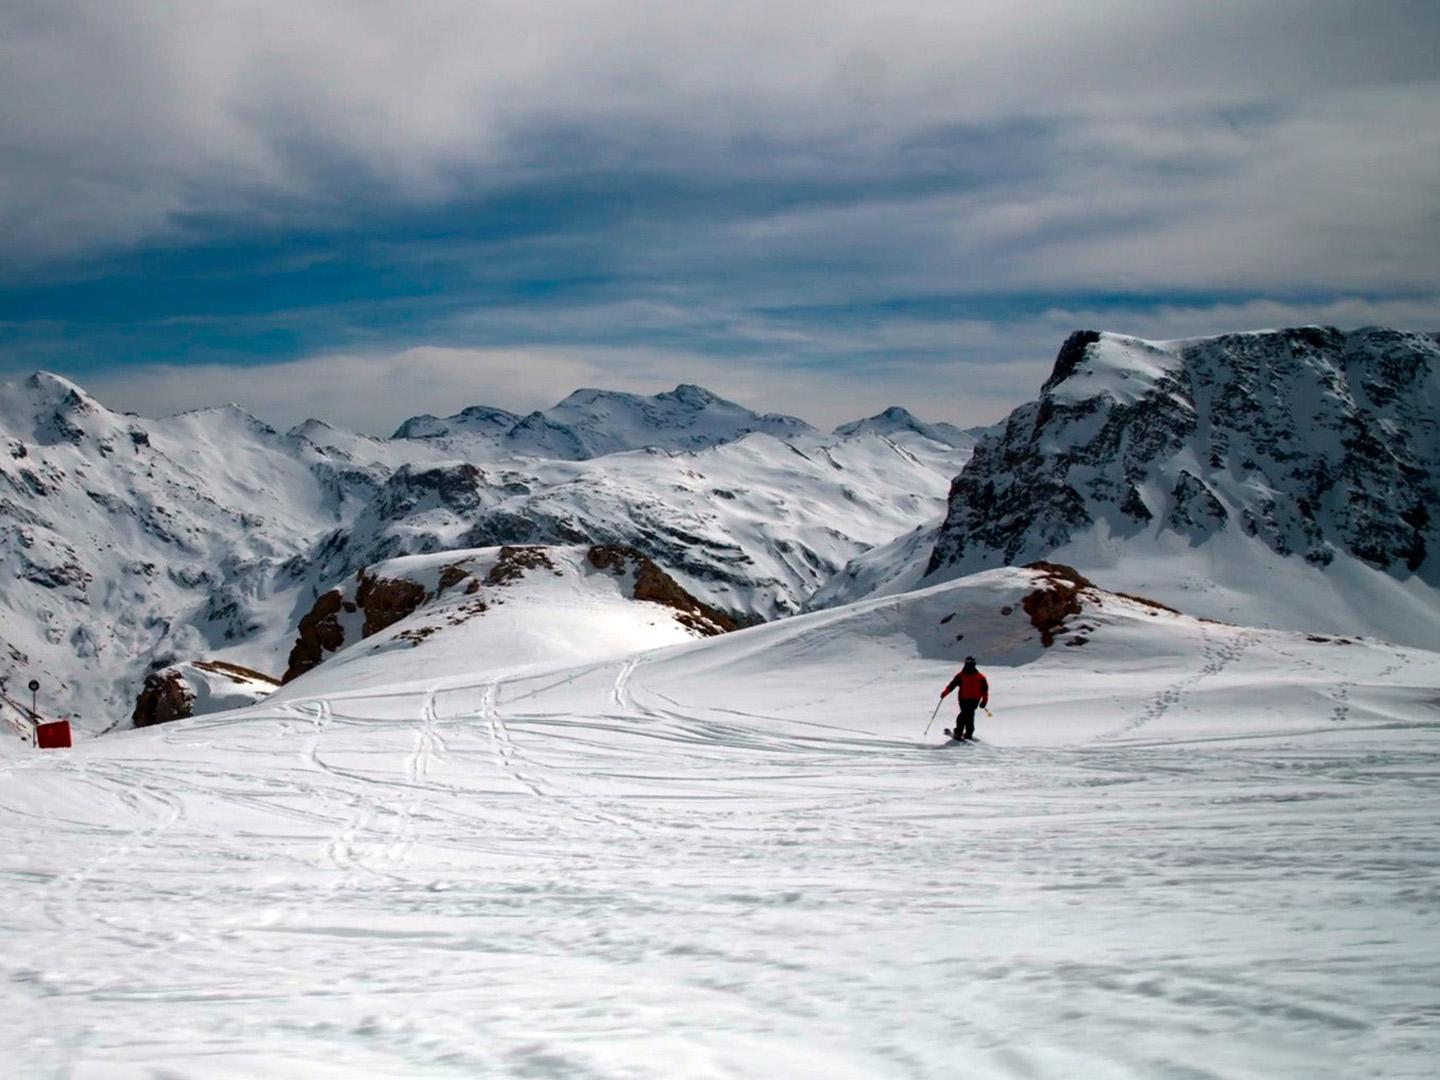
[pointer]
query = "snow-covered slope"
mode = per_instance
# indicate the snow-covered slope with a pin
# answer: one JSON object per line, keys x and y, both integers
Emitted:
{"x": 896, "y": 420}
{"x": 590, "y": 423}
{"x": 1283, "y": 478}
{"x": 491, "y": 609}
{"x": 1181, "y": 849}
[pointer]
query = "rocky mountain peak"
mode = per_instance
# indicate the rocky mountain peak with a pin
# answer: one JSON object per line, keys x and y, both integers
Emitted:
{"x": 1314, "y": 443}
{"x": 690, "y": 394}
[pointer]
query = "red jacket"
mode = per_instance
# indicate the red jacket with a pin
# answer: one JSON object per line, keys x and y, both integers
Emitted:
{"x": 973, "y": 687}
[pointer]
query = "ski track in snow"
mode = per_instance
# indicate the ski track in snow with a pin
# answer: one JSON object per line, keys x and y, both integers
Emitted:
{"x": 488, "y": 878}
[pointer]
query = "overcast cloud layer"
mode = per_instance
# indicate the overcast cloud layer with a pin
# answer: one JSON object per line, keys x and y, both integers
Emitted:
{"x": 821, "y": 207}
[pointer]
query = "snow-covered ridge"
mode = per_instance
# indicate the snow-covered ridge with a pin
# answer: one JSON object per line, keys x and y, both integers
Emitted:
{"x": 491, "y": 609}
{"x": 896, "y": 420}
{"x": 590, "y": 423}
{"x": 1281, "y": 478}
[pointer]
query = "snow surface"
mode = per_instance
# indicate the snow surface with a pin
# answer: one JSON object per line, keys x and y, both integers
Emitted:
{"x": 564, "y": 612}
{"x": 1184, "y": 849}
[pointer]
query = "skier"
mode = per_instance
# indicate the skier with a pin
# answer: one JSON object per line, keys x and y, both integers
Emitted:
{"x": 974, "y": 692}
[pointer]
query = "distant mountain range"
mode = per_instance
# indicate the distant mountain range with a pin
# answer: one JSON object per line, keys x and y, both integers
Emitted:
{"x": 131, "y": 545}
{"x": 591, "y": 423}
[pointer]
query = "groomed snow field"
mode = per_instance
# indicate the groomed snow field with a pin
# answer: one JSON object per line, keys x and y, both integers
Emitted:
{"x": 1184, "y": 850}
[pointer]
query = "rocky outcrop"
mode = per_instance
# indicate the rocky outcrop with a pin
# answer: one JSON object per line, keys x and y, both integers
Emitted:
{"x": 1056, "y": 600}
{"x": 378, "y": 602}
{"x": 514, "y": 562}
{"x": 198, "y": 687}
{"x": 319, "y": 633}
{"x": 164, "y": 698}
{"x": 656, "y": 586}
{"x": 457, "y": 488}
{"x": 385, "y": 601}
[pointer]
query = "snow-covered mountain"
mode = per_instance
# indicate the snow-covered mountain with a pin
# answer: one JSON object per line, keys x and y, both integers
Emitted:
{"x": 590, "y": 423}
{"x": 131, "y": 545}
{"x": 127, "y": 544}
{"x": 1282, "y": 478}
{"x": 896, "y": 420}
{"x": 752, "y": 526}
{"x": 485, "y": 420}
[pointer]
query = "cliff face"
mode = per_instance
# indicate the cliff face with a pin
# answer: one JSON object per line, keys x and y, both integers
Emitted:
{"x": 1246, "y": 454}
{"x": 1310, "y": 440}
{"x": 366, "y": 606}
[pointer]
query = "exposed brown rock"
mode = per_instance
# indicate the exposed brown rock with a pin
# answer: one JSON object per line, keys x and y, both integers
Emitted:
{"x": 234, "y": 672}
{"x": 320, "y": 632}
{"x": 514, "y": 561}
{"x": 655, "y": 585}
{"x": 452, "y": 575}
{"x": 1050, "y": 605}
{"x": 610, "y": 557}
{"x": 386, "y": 601}
{"x": 1063, "y": 572}
{"x": 416, "y": 634}
{"x": 164, "y": 698}
{"x": 1147, "y": 602}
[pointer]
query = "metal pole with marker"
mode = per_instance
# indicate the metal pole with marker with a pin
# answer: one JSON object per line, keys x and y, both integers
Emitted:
{"x": 34, "y": 689}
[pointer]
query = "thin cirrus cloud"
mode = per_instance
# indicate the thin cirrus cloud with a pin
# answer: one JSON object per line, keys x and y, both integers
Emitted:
{"x": 787, "y": 193}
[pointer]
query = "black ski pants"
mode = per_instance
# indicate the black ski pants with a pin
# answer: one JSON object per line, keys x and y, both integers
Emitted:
{"x": 965, "y": 725}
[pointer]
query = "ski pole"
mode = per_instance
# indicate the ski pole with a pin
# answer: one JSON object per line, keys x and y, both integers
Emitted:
{"x": 933, "y": 715}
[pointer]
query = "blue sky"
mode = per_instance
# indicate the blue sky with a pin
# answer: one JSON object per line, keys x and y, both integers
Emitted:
{"x": 364, "y": 210}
